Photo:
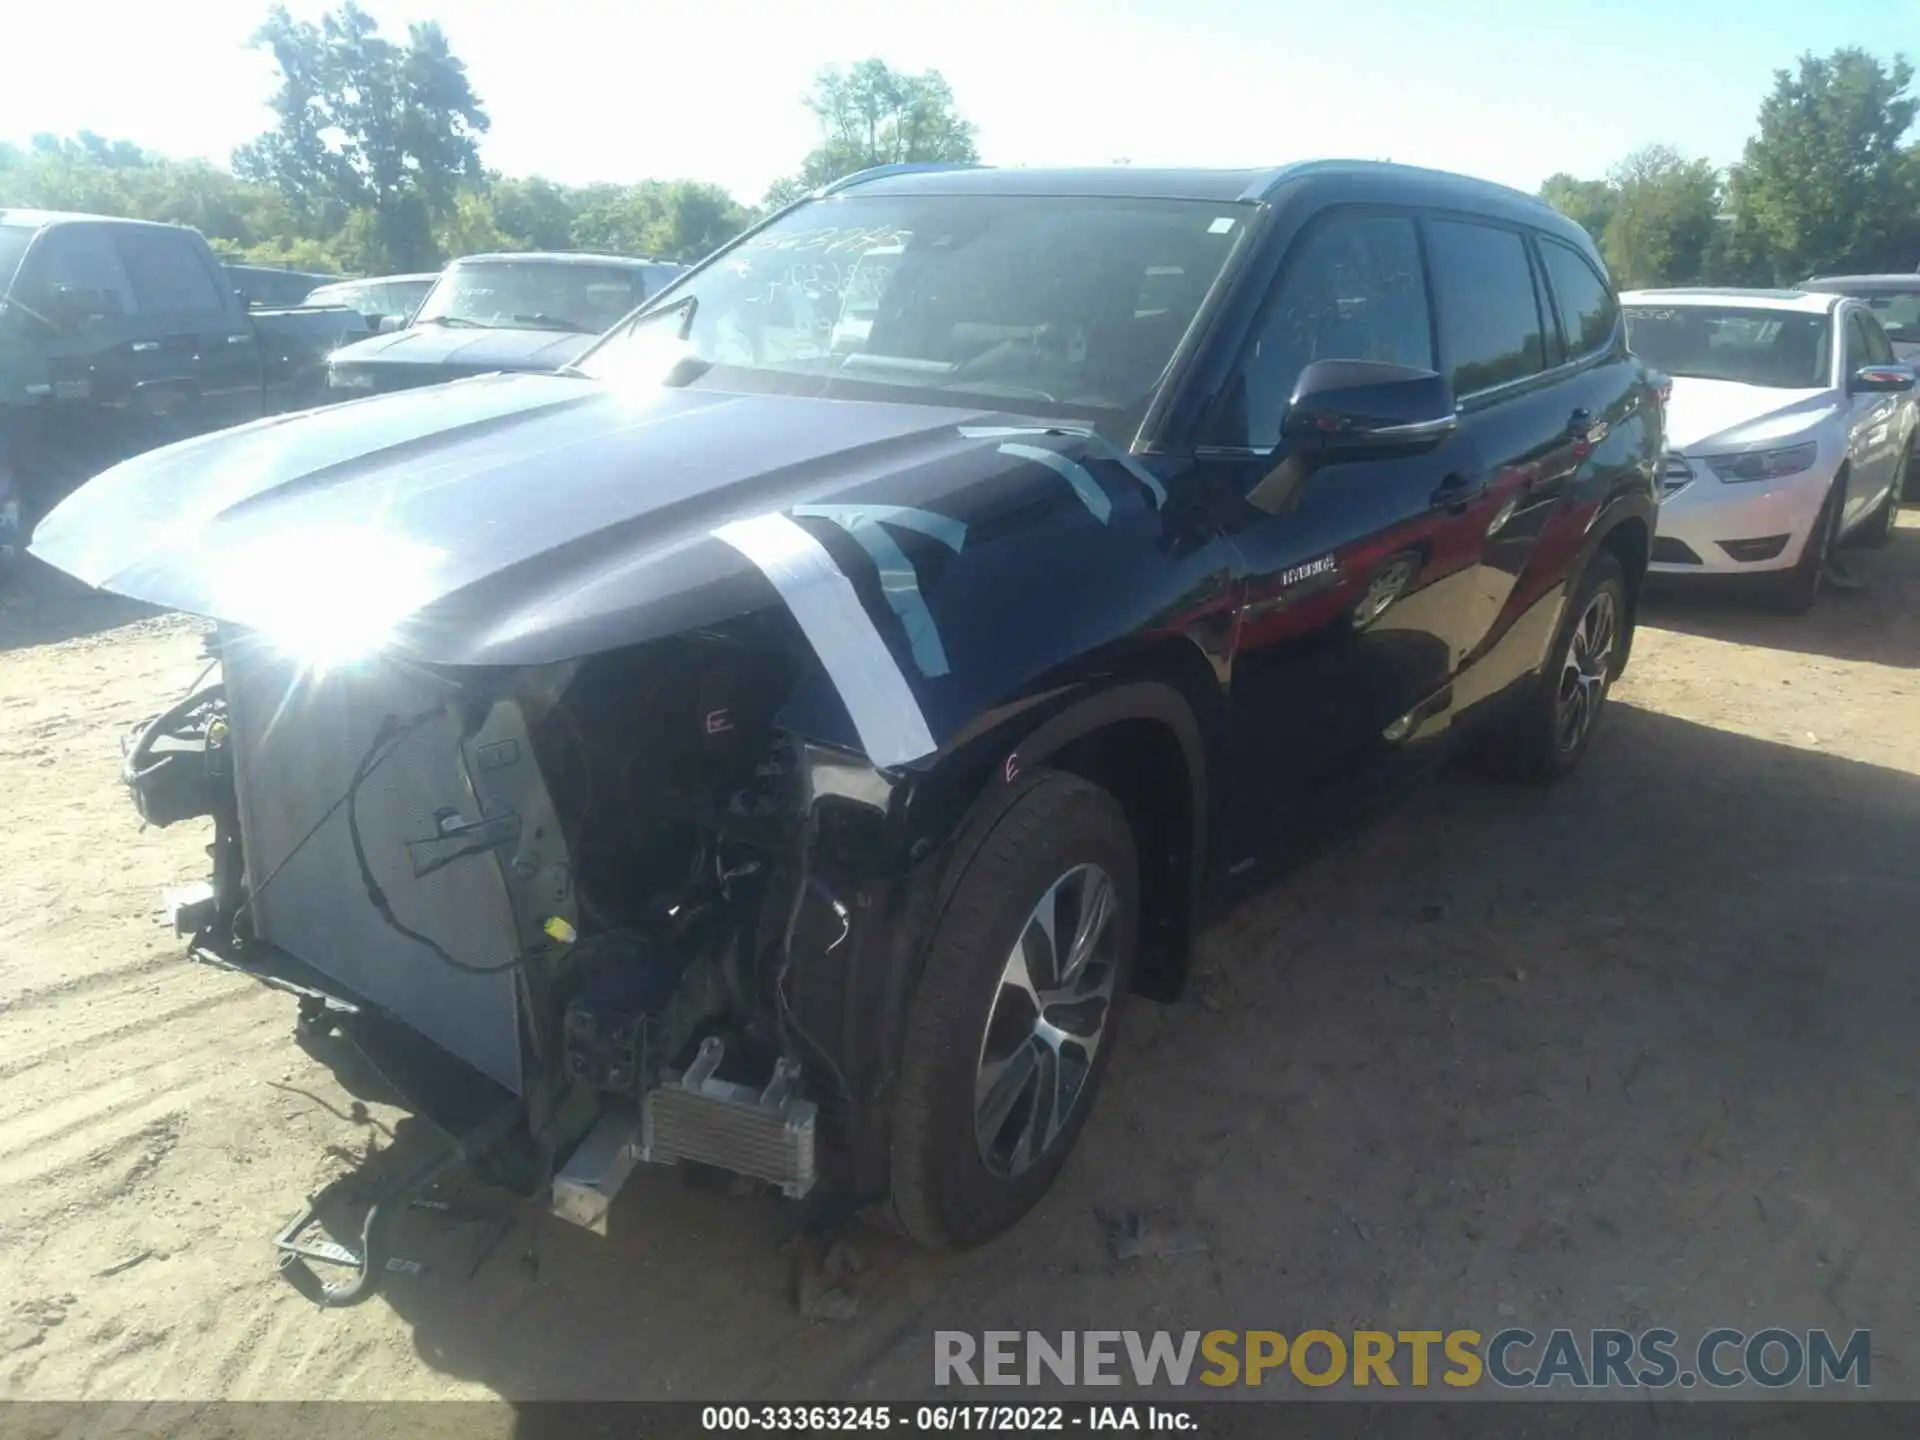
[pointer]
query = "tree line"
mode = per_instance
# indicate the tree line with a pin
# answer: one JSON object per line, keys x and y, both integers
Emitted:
{"x": 1826, "y": 185}
{"x": 373, "y": 163}
{"x": 373, "y": 166}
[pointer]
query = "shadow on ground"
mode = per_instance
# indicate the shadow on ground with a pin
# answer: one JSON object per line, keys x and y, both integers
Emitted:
{"x": 1874, "y": 625}
{"x": 1635, "y": 1053}
{"x": 42, "y": 606}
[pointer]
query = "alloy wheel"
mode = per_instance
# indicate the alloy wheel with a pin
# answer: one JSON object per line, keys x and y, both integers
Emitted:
{"x": 1587, "y": 671}
{"x": 1047, "y": 1022}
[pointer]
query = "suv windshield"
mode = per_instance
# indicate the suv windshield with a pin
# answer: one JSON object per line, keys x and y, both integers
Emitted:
{"x": 13, "y": 244}
{"x": 533, "y": 295}
{"x": 1071, "y": 304}
{"x": 1779, "y": 349}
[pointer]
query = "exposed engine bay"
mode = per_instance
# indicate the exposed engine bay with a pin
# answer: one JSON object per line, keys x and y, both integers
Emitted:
{"x": 559, "y": 907}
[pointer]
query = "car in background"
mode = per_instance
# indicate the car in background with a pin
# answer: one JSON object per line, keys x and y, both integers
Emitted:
{"x": 117, "y": 336}
{"x": 1790, "y": 428}
{"x": 270, "y": 287}
{"x": 487, "y": 313}
{"x": 386, "y": 300}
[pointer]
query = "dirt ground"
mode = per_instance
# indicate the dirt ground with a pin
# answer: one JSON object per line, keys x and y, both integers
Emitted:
{"x": 1637, "y": 1052}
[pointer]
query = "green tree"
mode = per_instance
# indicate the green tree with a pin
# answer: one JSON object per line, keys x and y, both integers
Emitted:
{"x": 871, "y": 114}
{"x": 368, "y": 125}
{"x": 1665, "y": 209}
{"x": 1826, "y": 185}
{"x": 1588, "y": 203}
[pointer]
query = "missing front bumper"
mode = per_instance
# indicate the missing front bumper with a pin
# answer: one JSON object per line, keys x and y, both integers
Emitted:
{"x": 766, "y": 1134}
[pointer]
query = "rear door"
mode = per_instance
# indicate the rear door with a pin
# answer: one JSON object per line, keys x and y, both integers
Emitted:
{"x": 1351, "y": 608}
{"x": 1536, "y": 405}
{"x": 199, "y": 365}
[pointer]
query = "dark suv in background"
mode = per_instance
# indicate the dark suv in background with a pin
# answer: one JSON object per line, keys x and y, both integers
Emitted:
{"x": 117, "y": 336}
{"x": 802, "y": 721}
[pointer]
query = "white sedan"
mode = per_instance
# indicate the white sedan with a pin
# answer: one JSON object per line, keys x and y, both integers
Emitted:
{"x": 1789, "y": 429}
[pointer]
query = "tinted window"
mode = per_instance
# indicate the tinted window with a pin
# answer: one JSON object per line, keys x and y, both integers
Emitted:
{"x": 1352, "y": 289}
{"x": 1587, "y": 307}
{"x": 1776, "y": 348}
{"x": 1899, "y": 315}
{"x": 1879, "y": 348}
{"x": 1490, "y": 329}
{"x": 1856, "y": 344}
{"x": 168, "y": 277}
{"x": 76, "y": 262}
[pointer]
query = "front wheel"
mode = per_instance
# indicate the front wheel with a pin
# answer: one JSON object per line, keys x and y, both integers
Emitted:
{"x": 1877, "y": 529}
{"x": 1795, "y": 590}
{"x": 1013, "y": 1023}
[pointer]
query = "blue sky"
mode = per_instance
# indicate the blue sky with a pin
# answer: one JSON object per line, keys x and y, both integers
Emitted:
{"x": 583, "y": 90}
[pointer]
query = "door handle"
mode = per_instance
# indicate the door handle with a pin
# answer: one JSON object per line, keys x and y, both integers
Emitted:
{"x": 141, "y": 347}
{"x": 1579, "y": 422}
{"x": 1457, "y": 492}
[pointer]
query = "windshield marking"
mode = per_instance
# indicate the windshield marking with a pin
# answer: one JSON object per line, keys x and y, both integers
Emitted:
{"x": 899, "y": 581}
{"x": 823, "y": 602}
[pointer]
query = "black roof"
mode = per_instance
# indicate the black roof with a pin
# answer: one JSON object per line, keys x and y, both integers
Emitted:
{"x": 19, "y": 215}
{"x": 1864, "y": 284}
{"x": 1349, "y": 181}
{"x": 1138, "y": 183}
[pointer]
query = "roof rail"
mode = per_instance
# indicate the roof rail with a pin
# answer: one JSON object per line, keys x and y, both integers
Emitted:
{"x": 881, "y": 172}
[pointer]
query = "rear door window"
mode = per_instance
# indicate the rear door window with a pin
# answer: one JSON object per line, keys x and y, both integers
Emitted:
{"x": 1352, "y": 289}
{"x": 1587, "y": 306}
{"x": 1491, "y": 331}
{"x": 168, "y": 275}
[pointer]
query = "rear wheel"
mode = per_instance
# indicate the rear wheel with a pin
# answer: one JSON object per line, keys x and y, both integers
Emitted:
{"x": 1549, "y": 732}
{"x": 1013, "y": 1023}
{"x": 1793, "y": 591}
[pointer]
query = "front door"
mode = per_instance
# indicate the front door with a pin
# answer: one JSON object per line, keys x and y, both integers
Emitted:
{"x": 1875, "y": 429}
{"x": 1353, "y": 573}
{"x": 79, "y": 331}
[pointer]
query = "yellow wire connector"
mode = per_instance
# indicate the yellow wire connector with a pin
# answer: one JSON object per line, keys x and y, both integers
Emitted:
{"x": 559, "y": 929}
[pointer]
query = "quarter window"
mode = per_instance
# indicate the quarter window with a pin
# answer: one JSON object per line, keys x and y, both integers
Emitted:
{"x": 1353, "y": 289}
{"x": 1587, "y": 307}
{"x": 167, "y": 273}
{"x": 1490, "y": 330}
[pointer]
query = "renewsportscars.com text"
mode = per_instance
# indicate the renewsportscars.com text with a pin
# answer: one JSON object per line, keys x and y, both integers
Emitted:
{"x": 1656, "y": 1359}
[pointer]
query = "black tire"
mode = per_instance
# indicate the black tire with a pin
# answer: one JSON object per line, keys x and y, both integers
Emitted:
{"x": 1793, "y": 592}
{"x": 1039, "y": 832}
{"x": 1528, "y": 747}
{"x": 1877, "y": 529}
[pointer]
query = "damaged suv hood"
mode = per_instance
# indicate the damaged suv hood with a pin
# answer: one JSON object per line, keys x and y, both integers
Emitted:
{"x": 526, "y": 519}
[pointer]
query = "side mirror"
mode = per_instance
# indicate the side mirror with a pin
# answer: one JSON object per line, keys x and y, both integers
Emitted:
{"x": 1881, "y": 380}
{"x": 388, "y": 324}
{"x": 1360, "y": 406}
